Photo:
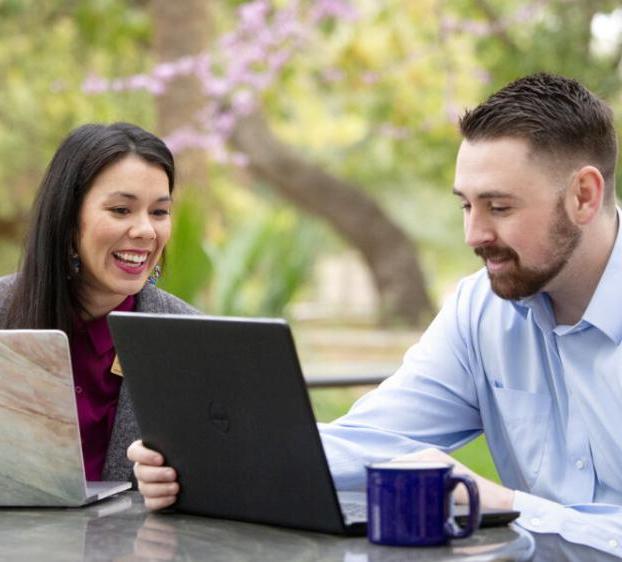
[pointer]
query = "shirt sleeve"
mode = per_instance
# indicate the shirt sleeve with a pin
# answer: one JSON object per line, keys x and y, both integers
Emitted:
{"x": 596, "y": 525}
{"x": 430, "y": 401}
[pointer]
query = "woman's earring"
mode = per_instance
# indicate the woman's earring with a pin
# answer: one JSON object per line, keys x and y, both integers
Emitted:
{"x": 74, "y": 258}
{"x": 155, "y": 275}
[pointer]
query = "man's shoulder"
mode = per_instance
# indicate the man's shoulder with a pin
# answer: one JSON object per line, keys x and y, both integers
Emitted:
{"x": 152, "y": 299}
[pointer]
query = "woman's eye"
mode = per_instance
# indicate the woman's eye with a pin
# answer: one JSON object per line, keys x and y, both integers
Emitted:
{"x": 161, "y": 212}
{"x": 465, "y": 206}
{"x": 120, "y": 210}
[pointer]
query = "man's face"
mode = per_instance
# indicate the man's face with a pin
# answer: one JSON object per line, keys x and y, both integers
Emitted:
{"x": 514, "y": 216}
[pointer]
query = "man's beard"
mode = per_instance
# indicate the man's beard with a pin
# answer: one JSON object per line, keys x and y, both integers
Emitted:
{"x": 523, "y": 282}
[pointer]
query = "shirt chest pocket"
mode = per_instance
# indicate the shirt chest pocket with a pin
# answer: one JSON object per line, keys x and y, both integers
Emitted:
{"x": 526, "y": 417}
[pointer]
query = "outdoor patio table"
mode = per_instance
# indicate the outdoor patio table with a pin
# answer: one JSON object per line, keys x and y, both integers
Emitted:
{"x": 121, "y": 529}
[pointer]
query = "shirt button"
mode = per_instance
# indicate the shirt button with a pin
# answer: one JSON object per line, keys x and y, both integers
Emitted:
{"x": 536, "y": 522}
{"x": 613, "y": 543}
{"x": 580, "y": 464}
{"x": 78, "y": 390}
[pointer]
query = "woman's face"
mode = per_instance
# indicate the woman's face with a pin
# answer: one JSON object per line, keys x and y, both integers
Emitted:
{"x": 123, "y": 226}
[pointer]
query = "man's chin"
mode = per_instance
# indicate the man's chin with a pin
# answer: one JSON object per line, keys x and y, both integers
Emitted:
{"x": 509, "y": 288}
{"x": 523, "y": 284}
{"x": 505, "y": 293}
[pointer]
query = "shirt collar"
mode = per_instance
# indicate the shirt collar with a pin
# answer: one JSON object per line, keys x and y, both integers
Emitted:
{"x": 598, "y": 313}
{"x": 97, "y": 329}
{"x": 540, "y": 306}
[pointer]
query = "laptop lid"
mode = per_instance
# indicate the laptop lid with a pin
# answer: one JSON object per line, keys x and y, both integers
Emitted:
{"x": 40, "y": 449}
{"x": 224, "y": 400}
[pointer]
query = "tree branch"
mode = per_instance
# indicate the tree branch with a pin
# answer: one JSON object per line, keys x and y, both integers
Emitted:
{"x": 497, "y": 26}
{"x": 390, "y": 254}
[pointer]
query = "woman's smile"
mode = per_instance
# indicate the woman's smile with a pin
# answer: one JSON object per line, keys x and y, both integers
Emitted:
{"x": 131, "y": 261}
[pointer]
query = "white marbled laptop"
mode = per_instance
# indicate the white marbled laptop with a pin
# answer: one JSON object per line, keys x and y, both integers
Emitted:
{"x": 40, "y": 452}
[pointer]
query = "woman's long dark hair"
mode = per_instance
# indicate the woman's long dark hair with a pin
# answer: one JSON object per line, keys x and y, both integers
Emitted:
{"x": 45, "y": 294}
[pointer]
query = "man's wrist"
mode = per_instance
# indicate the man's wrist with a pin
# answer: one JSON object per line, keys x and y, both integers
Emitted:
{"x": 494, "y": 495}
{"x": 507, "y": 501}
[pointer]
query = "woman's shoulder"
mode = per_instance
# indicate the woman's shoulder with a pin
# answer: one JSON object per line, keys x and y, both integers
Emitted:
{"x": 152, "y": 299}
{"x": 7, "y": 281}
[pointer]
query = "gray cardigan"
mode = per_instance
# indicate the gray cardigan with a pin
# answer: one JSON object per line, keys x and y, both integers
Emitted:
{"x": 125, "y": 429}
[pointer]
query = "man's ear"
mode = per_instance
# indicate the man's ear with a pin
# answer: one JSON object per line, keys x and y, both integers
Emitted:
{"x": 585, "y": 194}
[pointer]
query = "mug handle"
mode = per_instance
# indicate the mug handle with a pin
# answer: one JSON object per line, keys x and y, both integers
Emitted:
{"x": 455, "y": 531}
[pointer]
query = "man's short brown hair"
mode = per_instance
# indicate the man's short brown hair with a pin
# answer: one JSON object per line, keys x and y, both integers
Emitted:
{"x": 559, "y": 118}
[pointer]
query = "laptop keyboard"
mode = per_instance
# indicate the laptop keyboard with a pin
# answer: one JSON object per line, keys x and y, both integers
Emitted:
{"x": 353, "y": 506}
{"x": 354, "y": 512}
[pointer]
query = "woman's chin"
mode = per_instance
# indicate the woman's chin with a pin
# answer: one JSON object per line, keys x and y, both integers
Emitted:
{"x": 130, "y": 287}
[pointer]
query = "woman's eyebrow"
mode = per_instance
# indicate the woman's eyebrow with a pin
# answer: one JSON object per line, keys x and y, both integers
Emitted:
{"x": 133, "y": 197}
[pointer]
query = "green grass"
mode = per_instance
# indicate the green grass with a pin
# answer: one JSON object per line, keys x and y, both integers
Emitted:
{"x": 330, "y": 403}
{"x": 476, "y": 456}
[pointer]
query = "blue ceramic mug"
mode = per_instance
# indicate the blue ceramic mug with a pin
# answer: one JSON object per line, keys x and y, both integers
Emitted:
{"x": 409, "y": 504}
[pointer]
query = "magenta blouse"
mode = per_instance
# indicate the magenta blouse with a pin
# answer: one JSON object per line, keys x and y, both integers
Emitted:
{"x": 97, "y": 389}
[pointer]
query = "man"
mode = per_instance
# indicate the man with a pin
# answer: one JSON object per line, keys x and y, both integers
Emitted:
{"x": 528, "y": 349}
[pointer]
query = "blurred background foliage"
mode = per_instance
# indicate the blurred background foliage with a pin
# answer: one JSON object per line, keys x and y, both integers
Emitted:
{"x": 373, "y": 99}
{"x": 371, "y": 96}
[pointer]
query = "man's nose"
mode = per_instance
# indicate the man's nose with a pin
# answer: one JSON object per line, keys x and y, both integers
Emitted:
{"x": 477, "y": 230}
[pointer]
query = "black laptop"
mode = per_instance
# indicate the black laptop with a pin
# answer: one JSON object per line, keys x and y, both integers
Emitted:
{"x": 225, "y": 401}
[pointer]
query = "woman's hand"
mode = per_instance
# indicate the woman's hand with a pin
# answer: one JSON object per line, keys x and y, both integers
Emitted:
{"x": 157, "y": 483}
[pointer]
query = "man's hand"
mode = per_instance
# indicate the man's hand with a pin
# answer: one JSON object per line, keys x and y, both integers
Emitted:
{"x": 492, "y": 495}
{"x": 157, "y": 483}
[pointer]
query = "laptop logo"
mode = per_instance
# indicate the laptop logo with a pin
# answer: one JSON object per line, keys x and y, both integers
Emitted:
{"x": 218, "y": 417}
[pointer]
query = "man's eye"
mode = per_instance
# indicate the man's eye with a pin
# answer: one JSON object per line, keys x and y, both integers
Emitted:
{"x": 495, "y": 209}
{"x": 465, "y": 206}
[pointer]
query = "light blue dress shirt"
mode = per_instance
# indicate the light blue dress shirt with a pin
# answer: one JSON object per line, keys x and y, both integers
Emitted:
{"x": 547, "y": 397}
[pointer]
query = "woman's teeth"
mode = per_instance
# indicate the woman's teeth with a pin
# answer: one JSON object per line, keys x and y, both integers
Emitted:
{"x": 134, "y": 259}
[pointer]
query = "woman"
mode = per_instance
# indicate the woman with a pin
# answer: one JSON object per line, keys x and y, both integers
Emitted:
{"x": 100, "y": 223}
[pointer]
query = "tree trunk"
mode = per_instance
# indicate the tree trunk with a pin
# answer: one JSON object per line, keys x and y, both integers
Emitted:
{"x": 182, "y": 29}
{"x": 12, "y": 228}
{"x": 387, "y": 250}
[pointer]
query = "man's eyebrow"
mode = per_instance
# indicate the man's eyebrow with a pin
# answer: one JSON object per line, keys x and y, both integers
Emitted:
{"x": 487, "y": 194}
{"x": 133, "y": 197}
